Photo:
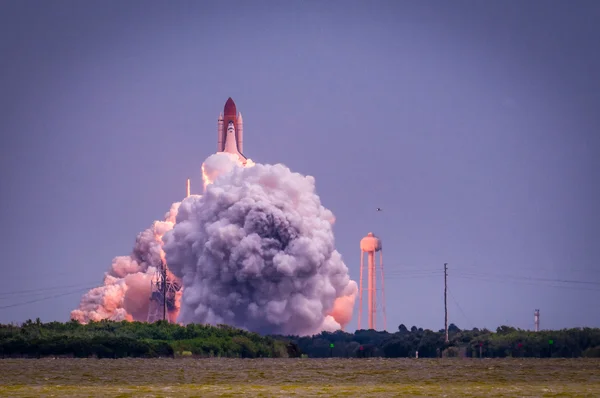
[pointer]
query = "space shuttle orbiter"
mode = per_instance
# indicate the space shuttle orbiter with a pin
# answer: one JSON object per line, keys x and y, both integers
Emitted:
{"x": 230, "y": 130}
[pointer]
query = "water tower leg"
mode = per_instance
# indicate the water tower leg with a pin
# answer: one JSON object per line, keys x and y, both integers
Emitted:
{"x": 371, "y": 301}
{"x": 360, "y": 289}
{"x": 382, "y": 290}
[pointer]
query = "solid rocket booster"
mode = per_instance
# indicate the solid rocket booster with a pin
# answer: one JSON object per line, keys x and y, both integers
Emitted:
{"x": 187, "y": 190}
{"x": 230, "y": 127}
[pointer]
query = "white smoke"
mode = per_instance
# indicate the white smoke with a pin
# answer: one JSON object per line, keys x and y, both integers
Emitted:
{"x": 256, "y": 251}
{"x": 125, "y": 294}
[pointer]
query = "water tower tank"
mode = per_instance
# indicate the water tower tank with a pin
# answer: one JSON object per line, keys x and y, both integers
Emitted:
{"x": 370, "y": 243}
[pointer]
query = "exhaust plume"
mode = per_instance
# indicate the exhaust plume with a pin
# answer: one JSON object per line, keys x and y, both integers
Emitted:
{"x": 125, "y": 294}
{"x": 256, "y": 251}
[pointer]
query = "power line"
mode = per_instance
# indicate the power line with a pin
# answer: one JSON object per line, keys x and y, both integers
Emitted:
{"x": 400, "y": 273}
{"x": 407, "y": 275}
{"x": 424, "y": 272}
{"x": 427, "y": 271}
{"x": 40, "y": 290}
{"x": 402, "y": 268}
{"x": 460, "y": 308}
{"x": 534, "y": 268}
{"x": 525, "y": 282}
{"x": 407, "y": 272}
{"x": 45, "y": 298}
{"x": 529, "y": 278}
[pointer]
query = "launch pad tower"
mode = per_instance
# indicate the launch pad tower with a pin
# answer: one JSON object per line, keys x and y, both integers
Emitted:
{"x": 162, "y": 296}
{"x": 370, "y": 244}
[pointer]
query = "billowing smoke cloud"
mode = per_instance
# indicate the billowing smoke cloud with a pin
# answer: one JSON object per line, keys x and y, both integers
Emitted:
{"x": 125, "y": 294}
{"x": 257, "y": 251}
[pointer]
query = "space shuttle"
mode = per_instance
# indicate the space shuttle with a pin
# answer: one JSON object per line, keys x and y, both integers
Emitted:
{"x": 230, "y": 130}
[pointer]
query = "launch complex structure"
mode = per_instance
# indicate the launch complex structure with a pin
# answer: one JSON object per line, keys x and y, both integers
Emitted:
{"x": 370, "y": 245}
{"x": 162, "y": 297}
{"x": 164, "y": 286}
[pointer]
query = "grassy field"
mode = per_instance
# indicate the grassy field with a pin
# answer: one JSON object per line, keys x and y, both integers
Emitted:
{"x": 299, "y": 377}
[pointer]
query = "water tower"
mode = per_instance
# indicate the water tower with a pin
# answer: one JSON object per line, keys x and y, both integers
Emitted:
{"x": 370, "y": 244}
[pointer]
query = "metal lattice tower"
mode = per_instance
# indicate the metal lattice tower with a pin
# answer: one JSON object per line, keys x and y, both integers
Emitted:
{"x": 162, "y": 297}
{"x": 536, "y": 320}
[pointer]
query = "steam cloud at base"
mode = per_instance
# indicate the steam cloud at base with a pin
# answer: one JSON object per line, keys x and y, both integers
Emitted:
{"x": 256, "y": 251}
{"x": 125, "y": 294}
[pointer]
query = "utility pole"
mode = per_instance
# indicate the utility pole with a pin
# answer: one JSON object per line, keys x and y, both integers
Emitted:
{"x": 446, "y": 299}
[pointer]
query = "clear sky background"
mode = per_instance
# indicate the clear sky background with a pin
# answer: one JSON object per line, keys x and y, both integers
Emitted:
{"x": 474, "y": 125}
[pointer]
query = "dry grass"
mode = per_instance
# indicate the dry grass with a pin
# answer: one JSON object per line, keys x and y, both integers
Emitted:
{"x": 299, "y": 377}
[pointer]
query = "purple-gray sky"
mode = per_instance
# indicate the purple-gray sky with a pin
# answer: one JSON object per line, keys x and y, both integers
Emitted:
{"x": 474, "y": 125}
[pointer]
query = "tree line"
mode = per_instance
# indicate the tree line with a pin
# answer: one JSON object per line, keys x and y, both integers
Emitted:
{"x": 108, "y": 339}
{"x": 505, "y": 342}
